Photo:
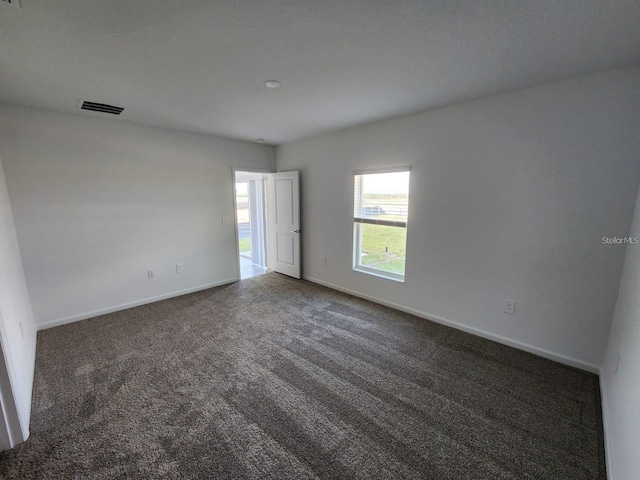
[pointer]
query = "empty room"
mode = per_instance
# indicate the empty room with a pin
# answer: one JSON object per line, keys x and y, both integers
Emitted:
{"x": 320, "y": 239}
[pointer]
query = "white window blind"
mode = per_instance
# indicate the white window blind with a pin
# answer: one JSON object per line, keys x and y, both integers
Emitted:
{"x": 382, "y": 198}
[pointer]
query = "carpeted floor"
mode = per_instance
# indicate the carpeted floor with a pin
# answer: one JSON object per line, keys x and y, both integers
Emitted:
{"x": 277, "y": 378}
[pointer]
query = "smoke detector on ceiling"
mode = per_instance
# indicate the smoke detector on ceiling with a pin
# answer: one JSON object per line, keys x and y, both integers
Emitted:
{"x": 13, "y": 3}
{"x": 100, "y": 107}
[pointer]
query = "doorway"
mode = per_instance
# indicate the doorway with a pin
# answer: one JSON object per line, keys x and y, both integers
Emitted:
{"x": 250, "y": 218}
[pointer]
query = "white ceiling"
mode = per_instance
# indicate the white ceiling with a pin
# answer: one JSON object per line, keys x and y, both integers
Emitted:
{"x": 200, "y": 66}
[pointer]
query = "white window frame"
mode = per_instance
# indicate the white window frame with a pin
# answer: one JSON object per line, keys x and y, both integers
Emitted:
{"x": 358, "y": 221}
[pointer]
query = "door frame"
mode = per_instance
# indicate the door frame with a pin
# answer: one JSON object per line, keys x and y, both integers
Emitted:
{"x": 11, "y": 431}
{"x": 257, "y": 171}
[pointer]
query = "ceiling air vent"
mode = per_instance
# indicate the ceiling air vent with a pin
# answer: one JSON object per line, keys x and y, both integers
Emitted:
{"x": 100, "y": 107}
{"x": 13, "y": 3}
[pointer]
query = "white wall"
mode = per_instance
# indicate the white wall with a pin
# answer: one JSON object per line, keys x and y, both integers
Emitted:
{"x": 97, "y": 203}
{"x": 510, "y": 196}
{"x": 620, "y": 375}
{"x": 17, "y": 328}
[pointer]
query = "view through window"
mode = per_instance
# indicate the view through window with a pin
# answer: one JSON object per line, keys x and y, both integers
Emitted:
{"x": 381, "y": 205}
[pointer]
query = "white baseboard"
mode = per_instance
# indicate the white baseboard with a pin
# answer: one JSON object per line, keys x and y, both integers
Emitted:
{"x": 465, "y": 328}
{"x": 136, "y": 303}
{"x": 611, "y": 473}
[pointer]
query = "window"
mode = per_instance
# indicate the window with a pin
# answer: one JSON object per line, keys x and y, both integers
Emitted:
{"x": 381, "y": 204}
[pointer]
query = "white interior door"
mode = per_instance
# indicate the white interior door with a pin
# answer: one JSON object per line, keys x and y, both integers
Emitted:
{"x": 283, "y": 218}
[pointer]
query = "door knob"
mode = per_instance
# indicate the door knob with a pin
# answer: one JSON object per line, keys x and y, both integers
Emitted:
{"x": 295, "y": 231}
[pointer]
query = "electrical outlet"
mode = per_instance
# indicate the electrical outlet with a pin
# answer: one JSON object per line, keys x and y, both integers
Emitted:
{"x": 510, "y": 306}
{"x": 179, "y": 268}
{"x": 324, "y": 261}
{"x": 150, "y": 274}
{"x": 617, "y": 364}
{"x": 22, "y": 333}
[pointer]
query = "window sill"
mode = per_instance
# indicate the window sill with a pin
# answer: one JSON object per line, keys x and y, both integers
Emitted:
{"x": 380, "y": 274}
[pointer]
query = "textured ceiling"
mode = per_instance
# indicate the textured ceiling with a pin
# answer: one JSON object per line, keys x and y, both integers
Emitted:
{"x": 200, "y": 66}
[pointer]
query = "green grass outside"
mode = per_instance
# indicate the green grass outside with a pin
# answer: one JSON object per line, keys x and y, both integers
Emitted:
{"x": 245, "y": 244}
{"x": 385, "y": 247}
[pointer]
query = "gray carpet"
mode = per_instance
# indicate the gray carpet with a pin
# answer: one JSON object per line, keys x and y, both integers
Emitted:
{"x": 277, "y": 378}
